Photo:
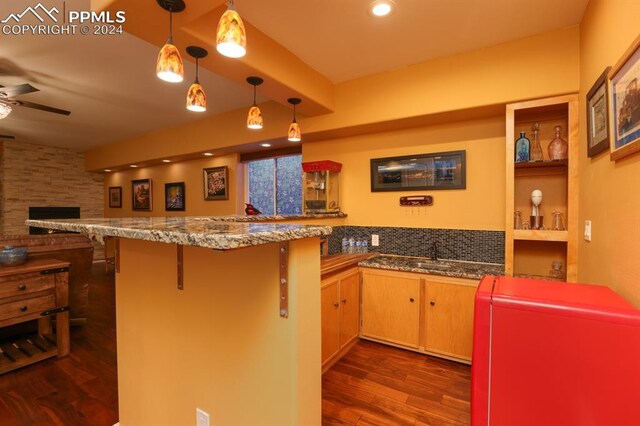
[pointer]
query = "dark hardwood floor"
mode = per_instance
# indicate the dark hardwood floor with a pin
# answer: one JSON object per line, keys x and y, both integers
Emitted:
{"x": 80, "y": 389}
{"x": 372, "y": 385}
{"x": 379, "y": 385}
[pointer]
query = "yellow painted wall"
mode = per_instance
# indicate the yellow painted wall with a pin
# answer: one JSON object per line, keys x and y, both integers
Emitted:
{"x": 219, "y": 344}
{"x": 480, "y": 206}
{"x": 189, "y": 172}
{"x": 608, "y": 190}
{"x": 534, "y": 67}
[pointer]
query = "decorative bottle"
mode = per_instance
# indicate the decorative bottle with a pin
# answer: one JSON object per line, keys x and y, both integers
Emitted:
{"x": 558, "y": 147}
{"x": 522, "y": 148}
{"x": 536, "y": 149}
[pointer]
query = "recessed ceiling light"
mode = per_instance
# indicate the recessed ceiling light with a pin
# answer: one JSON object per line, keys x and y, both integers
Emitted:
{"x": 208, "y": 154}
{"x": 133, "y": 166}
{"x": 381, "y": 7}
{"x": 266, "y": 145}
{"x": 166, "y": 161}
{"x": 107, "y": 170}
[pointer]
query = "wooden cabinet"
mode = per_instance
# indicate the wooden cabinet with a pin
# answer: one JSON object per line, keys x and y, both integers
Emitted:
{"x": 427, "y": 313}
{"x": 391, "y": 307}
{"x": 449, "y": 316}
{"x": 529, "y": 253}
{"x": 340, "y": 310}
{"x": 35, "y": 290}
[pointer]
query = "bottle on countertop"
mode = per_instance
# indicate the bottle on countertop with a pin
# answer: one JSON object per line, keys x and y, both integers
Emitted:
{"x": 352, "y": 246}
{"x": 345, "y": 245}
{"x": 358, "y": 246}
{"x": 365, "y": 248}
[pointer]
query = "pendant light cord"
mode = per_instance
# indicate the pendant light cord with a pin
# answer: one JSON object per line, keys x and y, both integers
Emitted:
{"x": 254, "y": 95}
{"x": 294, "y": 113}
{"x": 170, "y": 41}
{"x": 197, "y": 82}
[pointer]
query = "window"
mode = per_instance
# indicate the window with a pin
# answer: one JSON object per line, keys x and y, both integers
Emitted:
{"x": 274, "y": 185}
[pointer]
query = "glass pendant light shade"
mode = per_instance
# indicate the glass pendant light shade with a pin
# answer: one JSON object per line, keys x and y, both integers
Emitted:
{"x": 294, "y": 133}
{"x": 5, "y": 110}
{"x": 169, "y": 66}
{"x": 231, "y": 38}
{"x": 294, "y": 129}
{"x": 254, "y": 118}
{"x": 196, "y": 98}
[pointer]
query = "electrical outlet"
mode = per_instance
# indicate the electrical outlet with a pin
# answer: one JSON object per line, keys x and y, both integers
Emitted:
{"x": 587, "y": 230}
{"x": 375, "y": 240}
{"x": 202, "y": 418}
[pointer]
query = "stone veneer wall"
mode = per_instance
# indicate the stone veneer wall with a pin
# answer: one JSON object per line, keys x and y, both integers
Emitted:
{"x": 453, "y": 244}
{"x": 45, "y": 176}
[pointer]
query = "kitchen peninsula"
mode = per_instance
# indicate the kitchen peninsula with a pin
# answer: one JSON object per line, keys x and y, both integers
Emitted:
{"x": 222, "y": 343}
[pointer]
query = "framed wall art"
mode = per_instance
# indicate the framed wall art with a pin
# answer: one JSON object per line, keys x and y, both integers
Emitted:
{"x": 216, "y": 183}
{"x": 115, "y": 197}
{"x": 625, "y": 103}
{"x": 141, "y": 195}
{"x": 440, "y": 170}
{"x": 598, "y": 115}
{"x": 174, "y": 197}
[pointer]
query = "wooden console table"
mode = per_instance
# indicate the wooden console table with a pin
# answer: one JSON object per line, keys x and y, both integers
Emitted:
{"x": 36, "y": 289}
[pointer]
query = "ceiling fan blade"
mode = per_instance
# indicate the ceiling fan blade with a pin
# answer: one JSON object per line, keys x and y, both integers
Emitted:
{"x": 21, "y": 89}
{"x": 43, "y": 107}
{"x": 7, "y": 137}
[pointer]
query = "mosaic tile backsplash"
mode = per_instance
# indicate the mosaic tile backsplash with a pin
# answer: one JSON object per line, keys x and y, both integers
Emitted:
{"x": 453, "y": 244}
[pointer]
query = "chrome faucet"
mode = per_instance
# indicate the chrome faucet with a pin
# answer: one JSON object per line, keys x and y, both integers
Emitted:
{"x": 434, "y": 251}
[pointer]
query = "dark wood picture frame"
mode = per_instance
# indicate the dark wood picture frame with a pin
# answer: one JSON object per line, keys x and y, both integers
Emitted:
{"x": 598, "y": 115}
{"x": 624, "y": 80}
{"x": 432, "y": 171}
{"x": 216, "y": 183}
{"x": 115, "y": 197}
{"x": 141, "y": 195}
{"x": 174, "y": 197}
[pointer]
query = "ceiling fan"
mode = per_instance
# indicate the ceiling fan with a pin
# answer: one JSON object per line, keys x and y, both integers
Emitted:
{"x": 7, "y": 101}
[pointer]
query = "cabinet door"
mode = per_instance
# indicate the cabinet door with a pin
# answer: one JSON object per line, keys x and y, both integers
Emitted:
{"x": 391, "y": 308}
{"x": 449, "y": 317}
{"x": 330, "y": 317}
{"x": 349, "y": 308}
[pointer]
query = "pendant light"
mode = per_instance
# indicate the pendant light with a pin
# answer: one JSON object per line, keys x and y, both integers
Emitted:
{"x": 254, "y": 117}
{"x": 231, "y": 38}
{"x": 196, "y": 98}
{"x": 169, "y": 65}
{"x": 5, "y": 110}
{"x": 294, "y": 129}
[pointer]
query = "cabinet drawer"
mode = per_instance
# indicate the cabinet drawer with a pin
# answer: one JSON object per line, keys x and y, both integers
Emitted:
{"x": 27, "y": 307}
{"x": 26, "y": 284}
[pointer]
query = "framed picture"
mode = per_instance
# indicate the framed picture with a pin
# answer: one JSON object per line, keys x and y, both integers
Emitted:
{"x": 440, "y": 170}
{"x": 598, "y": 115}
{"x": 141, "y": 194}
{"x": 625, "y": 103}
{"x": 216, "y": 183}
{"x": 174, "y": 197}
{"x": 115, "y": 197}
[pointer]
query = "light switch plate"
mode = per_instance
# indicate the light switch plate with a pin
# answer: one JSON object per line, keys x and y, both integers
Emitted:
{"x": 587, "y": 230}
{"x": 202, "y": 418}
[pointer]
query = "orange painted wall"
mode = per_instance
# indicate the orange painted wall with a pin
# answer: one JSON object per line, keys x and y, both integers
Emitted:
{"x": 480, "y": 206}
{"x": 189, "y": 172}
{"x": 608, "y": 190}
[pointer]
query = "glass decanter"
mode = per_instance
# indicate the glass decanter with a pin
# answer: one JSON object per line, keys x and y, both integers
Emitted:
{"x": 558, "y": 148}
{"x": 536, "y": 149}
{"x": 557, "y": 221}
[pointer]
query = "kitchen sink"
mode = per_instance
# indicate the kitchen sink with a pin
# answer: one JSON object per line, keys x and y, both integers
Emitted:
{"x": 431, "y": 264}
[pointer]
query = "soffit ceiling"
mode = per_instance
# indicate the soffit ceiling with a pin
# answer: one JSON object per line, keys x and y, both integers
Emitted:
{"x": 109, "y": 85}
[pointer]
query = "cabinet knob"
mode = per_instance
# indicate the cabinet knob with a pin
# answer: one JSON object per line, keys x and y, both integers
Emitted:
{"x": 432, "y": 302}
{"x": 22, "y": 287}
{"x": 23, "y": 308}
{"x": 344, "y": 301}
{"x": 411, "y": 299}
{"x": 335, "y": 305}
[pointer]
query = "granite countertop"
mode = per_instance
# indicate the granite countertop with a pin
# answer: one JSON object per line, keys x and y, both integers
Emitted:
{"x": 270, "y": 218}
{"x": 424, "y": 265}
{"x": 200, "y": 232}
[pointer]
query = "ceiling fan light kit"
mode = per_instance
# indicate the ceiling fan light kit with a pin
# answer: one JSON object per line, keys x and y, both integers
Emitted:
{"x": 5, "y": 110}
{"x": 7, "y": 101}
{"x": 231, "y": 38}
{"x": 254, "y": 117}
{"x": 294, "y": 129}
{"x": 196, "y": 97}
{"x": 169, "y": 66}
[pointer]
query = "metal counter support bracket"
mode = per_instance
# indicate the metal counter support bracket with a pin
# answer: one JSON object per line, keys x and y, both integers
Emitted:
{"x": 284, "y": 279}
{"x": 180, "y": 268}
{"x": 117, "y": 255}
